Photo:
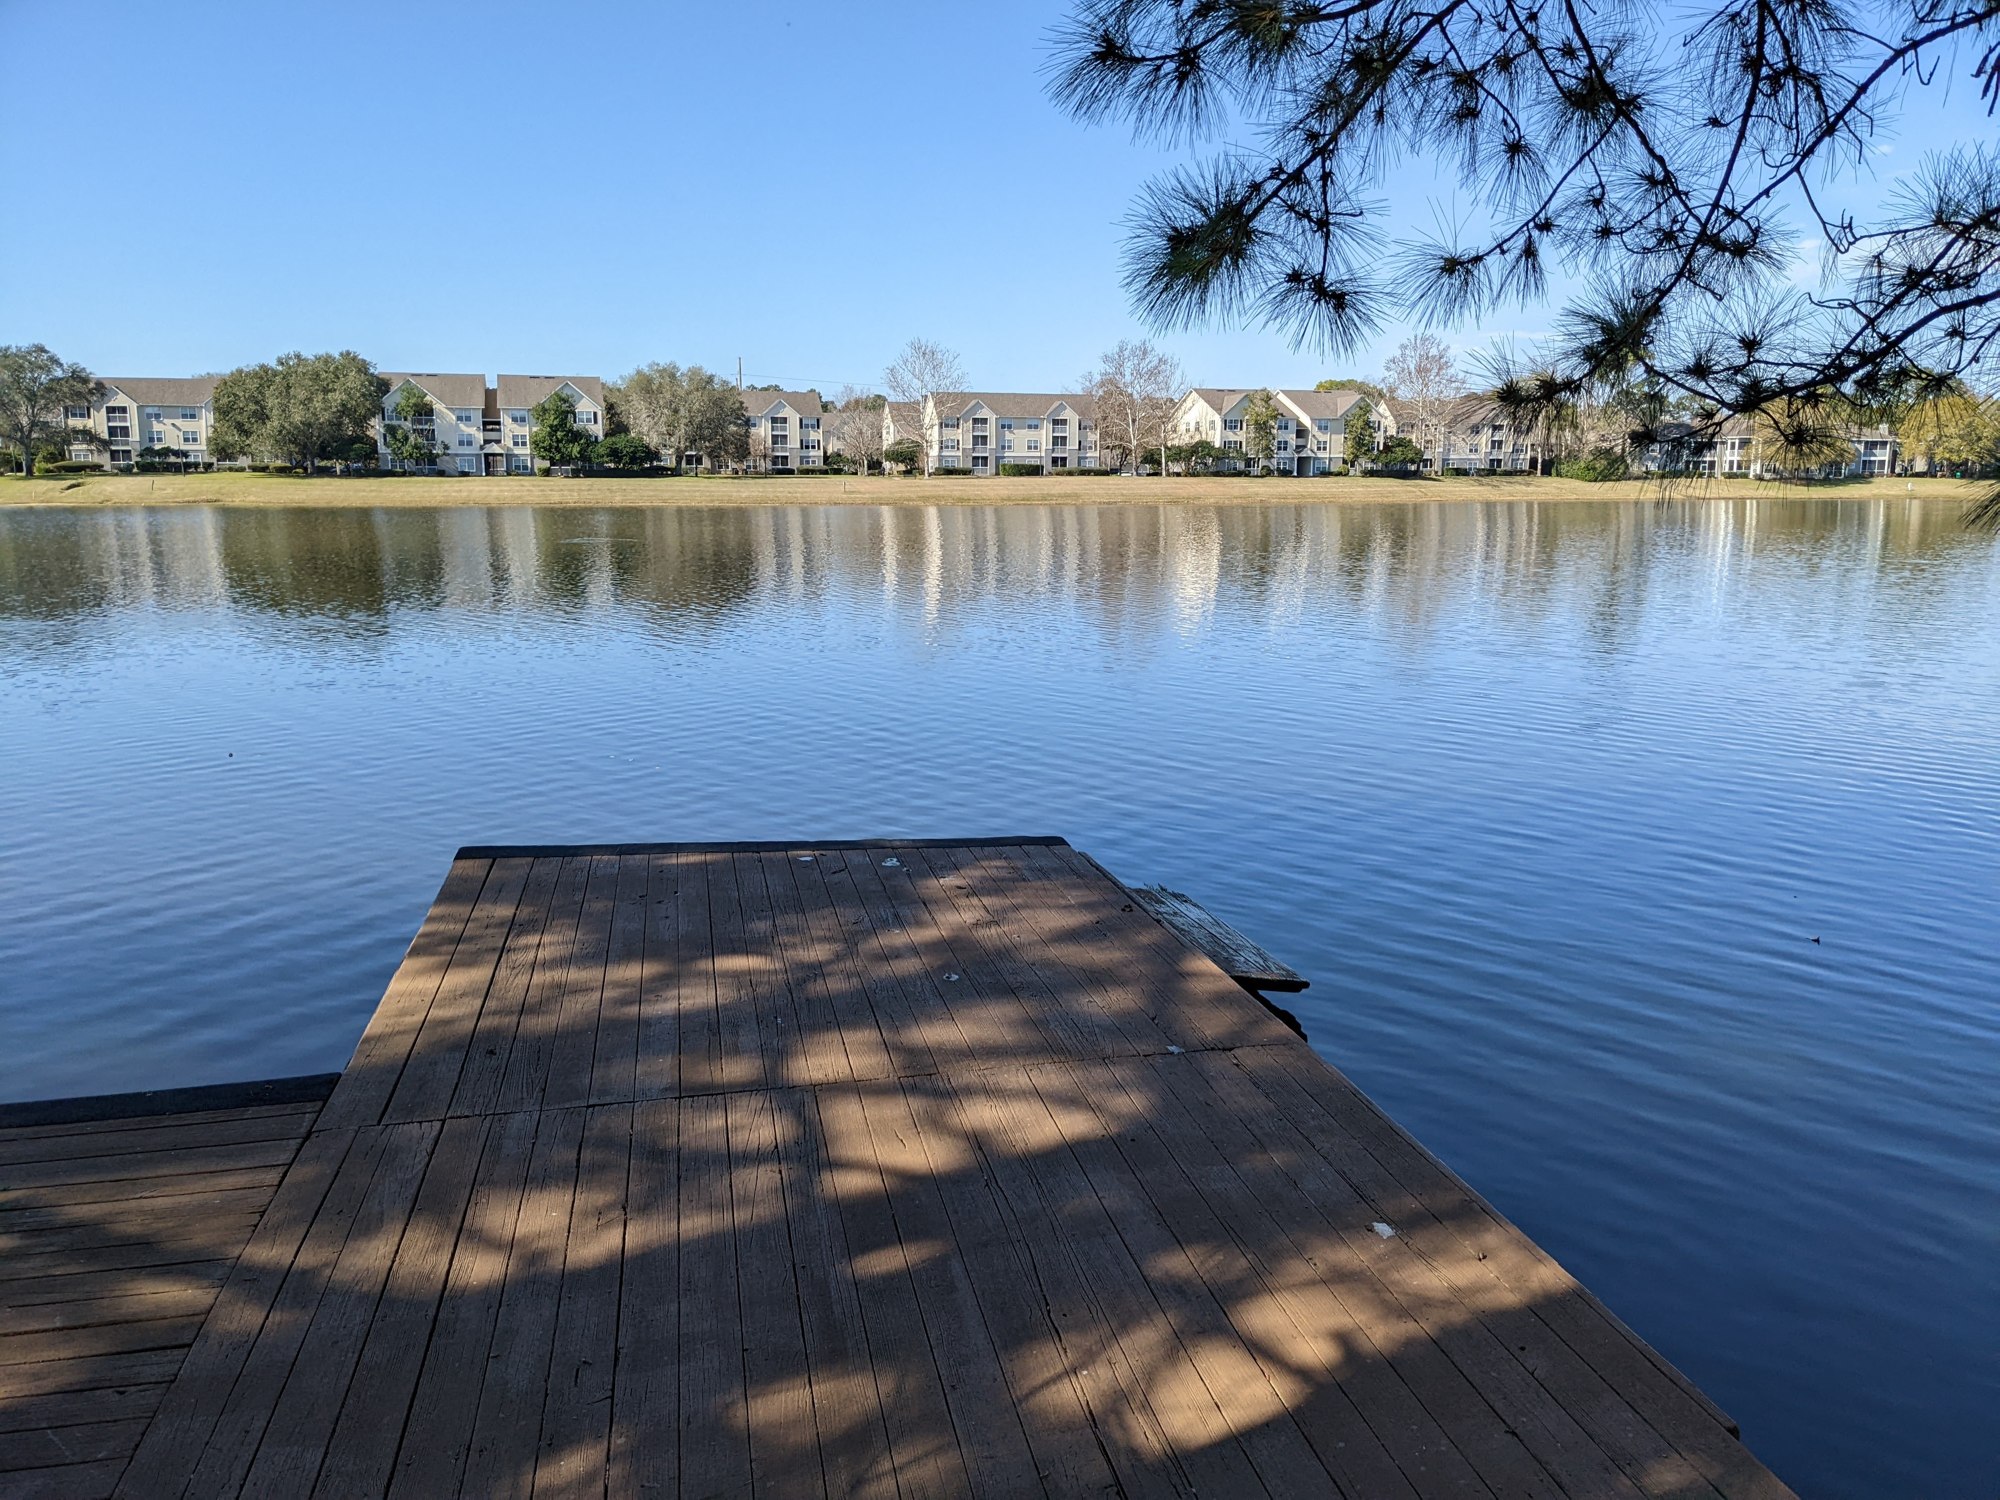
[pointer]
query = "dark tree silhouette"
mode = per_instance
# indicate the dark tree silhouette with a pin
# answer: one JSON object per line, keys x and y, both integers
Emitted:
{"x": 1669, "y": 163}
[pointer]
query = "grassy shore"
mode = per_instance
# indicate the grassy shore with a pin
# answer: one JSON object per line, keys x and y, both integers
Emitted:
{"x": 279, "y": 490}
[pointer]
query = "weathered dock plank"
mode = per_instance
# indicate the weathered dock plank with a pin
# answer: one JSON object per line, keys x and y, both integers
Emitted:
{"x": 901, "y": 1168}
{"x": 121, "y": 1217}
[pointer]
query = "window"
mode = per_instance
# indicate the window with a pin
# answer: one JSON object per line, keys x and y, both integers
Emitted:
{"x": 518, "y": 418}
{"x": 152, "y": 414}
{"x": 465, "y": 440}
{"x": 189, "y": 415}
{"x": 951, "y": 445}
{"x": 1057, "y": 442}
{"x": 468, "y": 466}
{"x": 951, "y": 423}
{"x": 1232, "y": 424}
{"x": 1284, "y": 445}
{"x": 586, "y": 419}
{"x": 79, "y": 455}
{"x": 979, "y": 461}
{"x": 979, "y": 441}
{"x": 1323, "y": 425}
{"x": 76, "y": 413}
{"x": 1058, "y": 424}
{"x": 1034, "y": 445}
{"x": 1034, "y": 426}
{"x": 467, "y": 417}
{"x": 809, "y": 424}
{"x": 121, "y": 455}
{"x": 520, "y": 440}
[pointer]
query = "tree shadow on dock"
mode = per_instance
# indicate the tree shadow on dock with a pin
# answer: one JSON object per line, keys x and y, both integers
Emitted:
{"x": 881, "y": 1170}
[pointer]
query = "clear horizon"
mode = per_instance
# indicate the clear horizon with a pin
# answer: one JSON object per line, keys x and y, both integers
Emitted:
{"x": 799, "y": 190}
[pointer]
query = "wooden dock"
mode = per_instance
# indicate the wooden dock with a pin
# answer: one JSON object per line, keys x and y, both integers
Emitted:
{"x": 884, "y": 1169}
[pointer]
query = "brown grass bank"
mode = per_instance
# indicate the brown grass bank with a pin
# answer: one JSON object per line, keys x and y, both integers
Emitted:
{"x": 278, "y": 490}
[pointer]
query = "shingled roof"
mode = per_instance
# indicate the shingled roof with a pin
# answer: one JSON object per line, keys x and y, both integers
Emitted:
{"x": 1016, "y": 404}
{"x": 805, "y": 403}
{"x": 517, "y": 391}
{"x": 1317, "y": 406}
{"x": 165, "y": 391}
{"x": 459, "y": 392}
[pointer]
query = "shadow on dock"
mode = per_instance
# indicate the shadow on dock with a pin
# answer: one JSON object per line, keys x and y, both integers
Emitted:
{"x": 874, "y": 1169}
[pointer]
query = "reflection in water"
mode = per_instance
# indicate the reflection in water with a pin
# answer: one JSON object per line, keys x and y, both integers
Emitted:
{"x": 1551, "y": 801}
{"x": 1144, "y": 567}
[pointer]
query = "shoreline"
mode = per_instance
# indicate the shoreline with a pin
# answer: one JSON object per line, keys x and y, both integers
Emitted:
{"x": 426, "y": 492}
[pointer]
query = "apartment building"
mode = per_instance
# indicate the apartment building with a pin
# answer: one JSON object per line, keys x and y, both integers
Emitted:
{"x": 1309, "y": 434}
{"x": 480, "y": 429}
{"x": 1740, "y": 449}
{"x": 515, "y": 398}
{"x": 784, "y": 430}
{"x": 132, "y": 415}
{"x": 981, "y": 431}
{"x": 457, "y": 427}
{"x": 1476, "y": 435}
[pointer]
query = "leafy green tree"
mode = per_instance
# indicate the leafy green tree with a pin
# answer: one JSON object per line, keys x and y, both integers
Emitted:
{"x": 1367, "y": 388}
{"x": 35, "y": 388}
{"x": 1198, "y": 457}
{"x": 681, "y": 411}
{"x": 411, "y": 437}
{"x": 1957, "y": 433}
{"x": 1399, "y": 453}
{"x": 302, "y": 410}
{"x": 1360, "y": 432}
{"x": 1260, "y": 427}
{"x": 626, "y": 450}
{"x": 905, "y": 453}
{"x": 556, "y": 440}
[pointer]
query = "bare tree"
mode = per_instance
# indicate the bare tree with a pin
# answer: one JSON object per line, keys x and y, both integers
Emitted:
{"x": 1133, "y": 390}
{"x": 1423, "y": 377}
{"x": 928, "y": 376}
{"x": 854, "y": 426}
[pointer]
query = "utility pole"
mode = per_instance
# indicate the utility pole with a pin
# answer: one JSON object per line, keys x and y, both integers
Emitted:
{"x": 739, "y": 372}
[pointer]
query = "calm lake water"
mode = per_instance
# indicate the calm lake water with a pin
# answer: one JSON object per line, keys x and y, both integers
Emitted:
{"x": 1645, "y": 858}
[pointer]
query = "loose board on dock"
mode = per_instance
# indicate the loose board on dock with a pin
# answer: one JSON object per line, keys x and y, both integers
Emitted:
{"x": 877, "y": 1169}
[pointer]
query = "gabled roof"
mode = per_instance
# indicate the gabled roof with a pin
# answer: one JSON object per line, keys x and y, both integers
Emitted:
{"x": 1316, "y": 406}
{"x": 1219, "y": 398}
{"x": 532, "y": 390}
{"x": 757, "y": 403}
{"x": 154, "y": 391}
{"x": 459, "y": 392}
{"x": 1016, "y": 404}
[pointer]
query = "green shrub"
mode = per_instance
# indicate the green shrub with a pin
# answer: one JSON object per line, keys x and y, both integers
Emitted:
{"x": 1021, "y": 471}
{"x": 1600, "y": 466}
{"x": 944, "y": 469}
{"x": 69, "y": 466}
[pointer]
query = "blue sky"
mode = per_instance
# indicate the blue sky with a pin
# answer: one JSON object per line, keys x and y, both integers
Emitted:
{"x": 584, "y": 187}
